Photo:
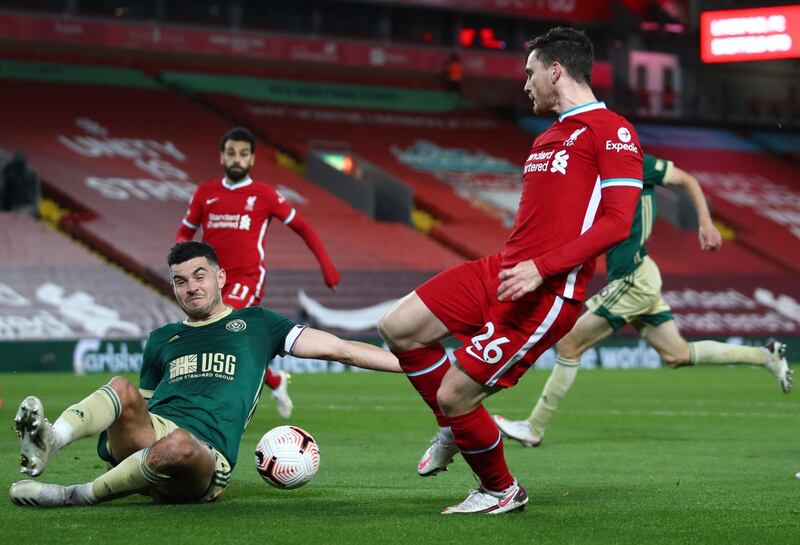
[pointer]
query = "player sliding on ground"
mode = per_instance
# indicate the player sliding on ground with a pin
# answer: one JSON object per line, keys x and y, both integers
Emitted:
{"x": 176, "y": 437}
{"x": 633, "y": 296}
{"x": 581, "y": 183}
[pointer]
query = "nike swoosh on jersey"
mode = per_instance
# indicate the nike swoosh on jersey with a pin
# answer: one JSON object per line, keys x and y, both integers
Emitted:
{"x": 211, "y": 201}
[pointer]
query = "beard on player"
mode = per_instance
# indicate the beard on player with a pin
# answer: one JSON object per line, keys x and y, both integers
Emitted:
{"x": 236, "y": 173}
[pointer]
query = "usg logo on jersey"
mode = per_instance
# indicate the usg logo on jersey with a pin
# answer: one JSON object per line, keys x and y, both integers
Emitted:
{"x": 624, "y": 144}
{"x": 574, "y": 136}
{"x": 236, "y": 325}
{"x": 560, "y": 162}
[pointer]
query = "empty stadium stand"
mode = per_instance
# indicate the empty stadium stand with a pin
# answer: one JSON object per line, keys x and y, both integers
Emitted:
{"x": 126, "y": 160}
{"x": 53, "y": 288}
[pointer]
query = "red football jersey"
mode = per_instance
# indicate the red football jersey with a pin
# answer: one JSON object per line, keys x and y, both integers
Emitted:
{"x": 564, "y": 216}
{"x": 235, "y": 219}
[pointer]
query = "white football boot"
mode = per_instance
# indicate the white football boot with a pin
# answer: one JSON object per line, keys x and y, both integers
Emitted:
{"x": 486, "y": 502}
{"x": 35, "y": 436}
{"x": 281, "y": 396}
{"x": 518, "y": 430}
{"x": 438, "y": 456}
{"x": 779, "y": 366}
{"x": 38, "y": 494}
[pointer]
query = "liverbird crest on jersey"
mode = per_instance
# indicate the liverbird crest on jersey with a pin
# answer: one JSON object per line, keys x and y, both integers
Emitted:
{"x": 574, "y": 136}
{"x": 251, "y": 203}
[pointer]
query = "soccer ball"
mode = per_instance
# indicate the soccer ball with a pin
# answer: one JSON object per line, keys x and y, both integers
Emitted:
{"x": 287, "y": 457}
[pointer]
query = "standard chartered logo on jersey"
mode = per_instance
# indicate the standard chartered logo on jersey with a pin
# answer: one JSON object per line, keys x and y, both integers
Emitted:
{"x": 205, "y": 365}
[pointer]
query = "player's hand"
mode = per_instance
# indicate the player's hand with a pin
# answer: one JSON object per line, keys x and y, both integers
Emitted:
{"x": 520, "y": 279}
{"x": 332, "y": 279}
{"x": 710, "y": 237}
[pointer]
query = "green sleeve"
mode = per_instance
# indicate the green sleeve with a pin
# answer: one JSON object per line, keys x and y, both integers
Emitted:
{"x": 276, "y": 327}
{"x": 655, "y": 170}
{"x": 151, "y": 371}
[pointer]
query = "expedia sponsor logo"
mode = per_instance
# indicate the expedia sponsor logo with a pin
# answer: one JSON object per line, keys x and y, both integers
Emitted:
{"x": 624, "y": 134}
{"x": 619, "y": 146}
{"x": 236, "y": 325}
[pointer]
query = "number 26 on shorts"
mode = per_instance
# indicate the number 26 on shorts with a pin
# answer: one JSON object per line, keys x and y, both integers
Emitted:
{"x": 491, "y": 352}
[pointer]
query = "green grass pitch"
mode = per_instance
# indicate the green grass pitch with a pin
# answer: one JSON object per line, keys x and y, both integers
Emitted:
{"x": 691, "y": 456}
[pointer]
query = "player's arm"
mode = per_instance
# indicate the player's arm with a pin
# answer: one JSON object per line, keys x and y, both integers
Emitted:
{"x": 150, "y": 374}
{"x": 289, "y": 216}
{"x": 709, "y": 235}
{"x": 618, "y": 206}
{"x": 321, "y": 345}
{"x": 192, "y": 220}
{"x": 314, "y": 243}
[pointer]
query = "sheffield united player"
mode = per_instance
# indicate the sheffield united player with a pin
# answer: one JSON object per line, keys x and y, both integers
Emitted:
{"x": 176, "y": 437}
{"x": 235, "y": 213}
{"x": 581, "y": 184}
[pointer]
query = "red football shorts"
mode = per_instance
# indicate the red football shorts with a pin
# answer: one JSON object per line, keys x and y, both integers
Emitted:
{"x": 243, "y": 291}
{"x": 501, "y": 339}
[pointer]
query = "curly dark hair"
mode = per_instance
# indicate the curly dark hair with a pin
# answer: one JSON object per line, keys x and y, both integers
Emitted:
{"x": 239, "y": 134}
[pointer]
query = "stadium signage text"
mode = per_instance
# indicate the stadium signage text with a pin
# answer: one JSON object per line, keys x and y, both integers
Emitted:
{"x": 750, "y": 34}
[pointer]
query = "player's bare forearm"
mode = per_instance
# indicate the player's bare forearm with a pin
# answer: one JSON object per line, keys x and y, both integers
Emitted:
{"x": 709, "y": 235}
{"x": 321, "y": 345}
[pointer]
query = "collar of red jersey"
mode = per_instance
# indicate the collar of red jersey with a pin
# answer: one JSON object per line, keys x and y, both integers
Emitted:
{"x": 247, "y": 181}
{"x": 588, "y": 107}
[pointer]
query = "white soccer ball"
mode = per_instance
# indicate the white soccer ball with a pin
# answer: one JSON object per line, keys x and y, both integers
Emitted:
{"x": 287, "y": 457}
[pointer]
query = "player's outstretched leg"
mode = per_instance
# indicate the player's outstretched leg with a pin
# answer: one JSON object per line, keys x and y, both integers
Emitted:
{"x": 486, "y": 502}
{"x": 779, "y": 366}
{"x": 280, "y": 394}
{"x": 36, "y": 440}
{"x": 519, "y": 430}
{"x": 439, "y": 455}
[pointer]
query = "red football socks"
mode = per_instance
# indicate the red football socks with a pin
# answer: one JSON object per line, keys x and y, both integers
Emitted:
{"x": 481, "y": 445}
{"x": 272, "y": 379}
{"x": 425, "y": 368}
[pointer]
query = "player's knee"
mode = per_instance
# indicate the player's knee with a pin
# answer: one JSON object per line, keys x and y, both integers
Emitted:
{"x": 568, "y": 348}
{"x": 128, "y": 394}
{"x": 675, "y": 358}
{"x": 447, "y": 401}
{"x": 177, "y": 449}
{"x": 388, "y": 328}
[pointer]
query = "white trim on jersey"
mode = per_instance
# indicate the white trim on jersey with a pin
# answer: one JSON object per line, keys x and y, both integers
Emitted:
{"x": 543, "y": 328}
{"x": 290, "y": 217}
{"x": 588, "y": 221}
{"x": 291, "y": 338}
{"x": 189, "y": 224}
{"x": 247, "y": 181}
{"x": 262, "y": 272}
{"x": 588, "y": 107}
{"x": 487, "y": 449}
{"x": 621, "y": 182}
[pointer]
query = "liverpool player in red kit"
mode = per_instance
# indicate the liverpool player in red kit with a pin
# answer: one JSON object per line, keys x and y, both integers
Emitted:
{"x": 234, "y": 213}
{"x": 581, "y": 183}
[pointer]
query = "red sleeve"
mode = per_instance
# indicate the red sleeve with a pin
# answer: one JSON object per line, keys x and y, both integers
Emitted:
{"x": 192, "y": 220}
{"x": 618, "y": 205}
{"x": 314, "y": 243}
{"x": 619, "y": 165}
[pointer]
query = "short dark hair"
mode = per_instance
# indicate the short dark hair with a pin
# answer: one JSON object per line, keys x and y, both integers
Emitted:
{"x": 239, "y": 134}
{"x": 184, "y": 251}
{"x": 570, "y": 47}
